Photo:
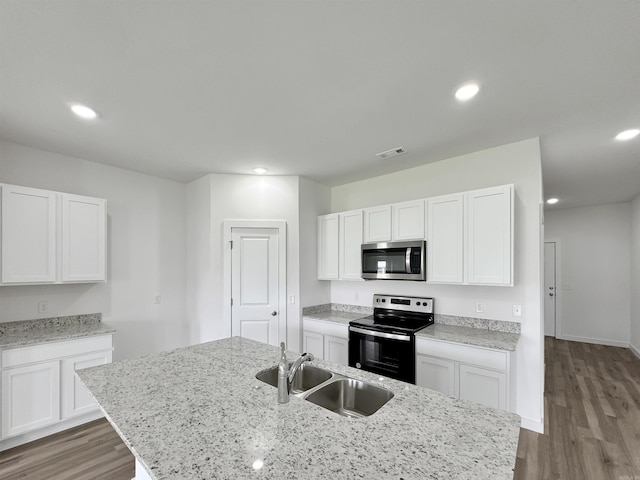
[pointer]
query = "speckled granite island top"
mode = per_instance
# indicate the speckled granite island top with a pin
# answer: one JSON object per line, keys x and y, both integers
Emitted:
{"x": 55, "y": 329}
{"x": 200, "y": 413}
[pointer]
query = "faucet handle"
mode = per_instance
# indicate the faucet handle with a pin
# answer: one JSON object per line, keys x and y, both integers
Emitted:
{"x": 282, "y": 347}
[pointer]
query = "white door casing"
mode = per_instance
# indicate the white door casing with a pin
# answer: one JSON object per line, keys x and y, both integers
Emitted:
{"x": 255, "y": 280}
{"x": 550, "y": 289}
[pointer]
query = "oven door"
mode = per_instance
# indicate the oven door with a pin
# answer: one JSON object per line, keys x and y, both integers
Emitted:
{"x": 388, "y": 354}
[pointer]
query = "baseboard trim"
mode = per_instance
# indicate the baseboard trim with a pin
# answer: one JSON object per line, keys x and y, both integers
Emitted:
{"x": 597, "y": 341}
{"x": 50, "y": 430}
{"x": 635, "y": 351}
{"x": 532, "y": 425}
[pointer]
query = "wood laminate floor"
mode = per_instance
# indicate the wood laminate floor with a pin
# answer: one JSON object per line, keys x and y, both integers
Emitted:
{"x": 592, "y": 416}
{"x": 92, "y": 451}
{"x": 592, "y": 424}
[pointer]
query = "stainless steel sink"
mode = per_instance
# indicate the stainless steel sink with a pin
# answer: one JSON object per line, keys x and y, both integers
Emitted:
{"x": 343, "y": 395}
{"x": 350, "y": 398}
{"x": 306, "y": 378}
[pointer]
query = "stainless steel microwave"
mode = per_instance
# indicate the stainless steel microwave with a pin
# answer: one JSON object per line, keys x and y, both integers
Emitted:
{"x": 394, "y": 261}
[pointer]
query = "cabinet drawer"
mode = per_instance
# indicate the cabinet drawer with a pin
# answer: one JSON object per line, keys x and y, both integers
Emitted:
{"x": 481, "y": 357}
{"x": 47, "y": 351}
{"x": 326, "y": 328}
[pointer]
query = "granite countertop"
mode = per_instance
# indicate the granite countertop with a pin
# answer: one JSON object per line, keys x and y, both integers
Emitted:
{"x": 199, "y": 412}
{"x": 478, "y": 337}
{"x": 31, "y": 332}
{"x": 334, "y": 316}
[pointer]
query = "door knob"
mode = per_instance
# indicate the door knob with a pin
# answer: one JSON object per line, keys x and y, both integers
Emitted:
{"x": 274, "y": 313}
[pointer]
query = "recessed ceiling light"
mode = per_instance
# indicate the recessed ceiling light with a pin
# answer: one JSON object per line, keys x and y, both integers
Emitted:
{"x": 628, "y": 134}
{"x": 467, "y": 91}
{"x": 83, "y": 111}
{"x": 552, "y": 201}
{"x": 260, "y": 170}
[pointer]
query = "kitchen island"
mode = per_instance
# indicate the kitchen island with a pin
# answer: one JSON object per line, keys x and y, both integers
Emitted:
{"x": 200, "y": 413}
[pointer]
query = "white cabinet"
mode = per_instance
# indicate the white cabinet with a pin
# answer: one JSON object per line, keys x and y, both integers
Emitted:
{"x": 328, "y": 240}
{"x": 408, "y": 220}
{"x": 326, "y": 340}
{"x": 489, "y": 236}
{"x": 436, "y": 374}
{"x": 377, "y": 224}
{"x": 395, "y": 222}
{"x": 52, "y": 237}
{"x": 84, "y": 238}
{"x": 41, "y": 393}
{"x": 350, "y": 241}
{"x": 28, "y": 235}
{"x": 445, "y": 239}
{"x": 339, "y": 241}
{"x": 477, "y": 374}
{"x": 76, "y": 399}
{"x": 30, "y": 397}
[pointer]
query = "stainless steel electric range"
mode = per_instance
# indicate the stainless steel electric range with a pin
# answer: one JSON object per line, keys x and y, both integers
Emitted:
{"x": 384, "y": 343}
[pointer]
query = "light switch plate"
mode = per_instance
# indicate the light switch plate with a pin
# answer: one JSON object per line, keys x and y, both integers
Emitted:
{"x": 517, "y": 310}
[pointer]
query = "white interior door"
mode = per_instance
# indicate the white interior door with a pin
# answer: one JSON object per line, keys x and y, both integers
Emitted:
{"x": 550, "y": 289}
{"x": 254, "y": 284}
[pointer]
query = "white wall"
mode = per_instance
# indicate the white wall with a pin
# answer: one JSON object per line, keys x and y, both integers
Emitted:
{"x": 146, "y": 248}
{"x": 635, "y": 276}
{"x": 518, "y": 163}
{"x": 315, "y": 199}
{"x": 595, "y": 295}
{"x": 233, "y": 197}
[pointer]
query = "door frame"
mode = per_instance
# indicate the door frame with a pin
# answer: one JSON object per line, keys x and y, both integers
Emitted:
{"x": 558, "y": 286}
{"x": 281, "y": 226}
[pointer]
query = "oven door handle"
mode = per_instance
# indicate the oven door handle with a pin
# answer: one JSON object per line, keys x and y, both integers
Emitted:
{"x": 392, "y": 336}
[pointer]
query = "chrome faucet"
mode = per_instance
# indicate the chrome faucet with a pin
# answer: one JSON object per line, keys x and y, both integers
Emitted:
{"x": 286, "y": 374}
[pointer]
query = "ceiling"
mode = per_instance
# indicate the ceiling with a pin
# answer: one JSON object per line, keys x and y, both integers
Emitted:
{"x": 317, "y": 88}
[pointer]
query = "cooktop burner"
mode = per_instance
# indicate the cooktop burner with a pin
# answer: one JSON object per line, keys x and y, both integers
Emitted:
{"x": 398, "y": 314}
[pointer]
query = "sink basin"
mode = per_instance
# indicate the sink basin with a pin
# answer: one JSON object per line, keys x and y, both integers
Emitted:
{"x": 350, "y": 398}
{"x": 306, "y": 378}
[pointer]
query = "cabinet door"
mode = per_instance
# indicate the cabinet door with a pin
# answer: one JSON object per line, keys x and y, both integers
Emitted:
{"x": 489, "y": 236}
{"x": 328, "y": 247}
{"x": 408, "y": 220}
{"x": 436, "y": 373}
{"x": 483, "y": 386}
{"x": 445, "y": 239}
{"x": 28, "y": 235}
{"x": 349, "y": 245}
{"x": 84, "y": 238}
{"x": 336, "y": 349}
{"x": 76, "y": 399}
{"x": 313, "y": 342}
{"x": 30, "y": 397}
{"x": 377, "y": 224}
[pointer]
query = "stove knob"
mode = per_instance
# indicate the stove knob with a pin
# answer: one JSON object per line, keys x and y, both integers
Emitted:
{"x": 424, "y": 304}
{"x": 384, "y": 300}
{"x": 358, "y": 363}
{"x": 418, "y": 303}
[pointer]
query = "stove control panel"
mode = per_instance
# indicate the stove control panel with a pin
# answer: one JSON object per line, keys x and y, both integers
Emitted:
{"x": 405, "y": 304}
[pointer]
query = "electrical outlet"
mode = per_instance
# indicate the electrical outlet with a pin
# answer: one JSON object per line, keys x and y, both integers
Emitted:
{"x": 43, "y": 306}
{"x": 157, "y": 299}
{"x": 517, "y": 310}
{"x": 479, "y": 307}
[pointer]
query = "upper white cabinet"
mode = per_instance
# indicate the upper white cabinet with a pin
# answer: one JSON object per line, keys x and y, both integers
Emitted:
{"x": 377, "y": 224}
{"x": 396, "y": 222}
{"x": 52, "y": 237}
{"x": 408, "y": 220}
{"x": 28, "y": 235}
{"x": 339, "y": 241}
{"x": 445, "y": 239}
{"x": 84, "y": 224}
{"x": 469, "y": 236}
{"x": 350, "y": 240}
{"x": 489, "y": 236}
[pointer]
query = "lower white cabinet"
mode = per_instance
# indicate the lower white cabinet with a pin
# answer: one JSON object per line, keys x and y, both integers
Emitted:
{"x": 326, "y": 340}
{"x": 40, "y": 389}
{"x": 477, "y": 374}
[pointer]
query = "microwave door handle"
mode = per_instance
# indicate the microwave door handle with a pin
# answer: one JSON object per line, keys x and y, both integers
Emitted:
{"x": 407, "y": 260}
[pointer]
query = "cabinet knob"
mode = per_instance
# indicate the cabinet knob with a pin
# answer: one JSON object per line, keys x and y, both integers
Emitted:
{"x": 551, "y": 294}
{"x": 274, "y": 313}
